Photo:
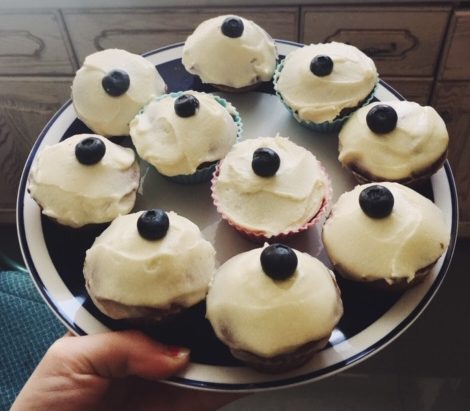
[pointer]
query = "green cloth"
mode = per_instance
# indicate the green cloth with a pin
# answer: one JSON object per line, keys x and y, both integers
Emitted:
{"x": 27, "y": 328}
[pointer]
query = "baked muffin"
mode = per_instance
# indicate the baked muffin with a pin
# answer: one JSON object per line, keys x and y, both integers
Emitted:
{"x": 84, "y": 179}
{"x": 148, "y": 266}
{"x": 274, "y": 307}
{"x": 111, "y": 87}
{"x": 321, "y": 84}
{"x": 399, "y": 141}
{"x": 269, "y": 187}
{"x": 385, "y": 234}
{"x": 184, "y": 134}
{"x": 230, "y": 52}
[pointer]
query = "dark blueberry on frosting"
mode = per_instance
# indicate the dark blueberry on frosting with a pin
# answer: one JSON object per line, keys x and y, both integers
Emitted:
{"x": 116, "y": 82}
{"x": 265, "y": 162}
{"x": 376, "y": 201}
{"x": 90, "y": 150}
{"x": 321, "y": 65}
{"x": 153, "y": 224}
{"x": 232, "y": 27}
{"x": 186, "y": 105}
{"x": 278, "y": 261}
{"x": 382, "y": 118}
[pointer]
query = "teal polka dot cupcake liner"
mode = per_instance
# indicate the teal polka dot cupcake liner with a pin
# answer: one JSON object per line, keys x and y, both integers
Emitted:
{"x": 204, "y": 174}
{"x": 327, "y": 127}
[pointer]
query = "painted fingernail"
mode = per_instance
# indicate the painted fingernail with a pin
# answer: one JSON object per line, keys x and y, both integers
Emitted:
{"x": 177, "y": 352}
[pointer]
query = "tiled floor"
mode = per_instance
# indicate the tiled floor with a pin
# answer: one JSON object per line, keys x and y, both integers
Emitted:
{"x": 426, "y": 369}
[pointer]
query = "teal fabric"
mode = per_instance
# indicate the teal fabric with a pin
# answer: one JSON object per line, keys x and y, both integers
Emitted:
{"x": 27, "y": 328}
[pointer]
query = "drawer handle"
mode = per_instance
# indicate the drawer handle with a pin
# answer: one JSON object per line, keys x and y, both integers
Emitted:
{"x": 376, "y": 51}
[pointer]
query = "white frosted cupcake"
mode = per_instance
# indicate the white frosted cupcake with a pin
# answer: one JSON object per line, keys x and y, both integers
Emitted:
{"x": 269, "y": 187}
{"x": 397, "y": 141}
{"x": 184, "y": 134}
{"x": 111, "y": 87}
{"x": 385, "y": 234}
{"x": 84, "y": 179}
{"x": 230, "y": 52}
{"x": 274, "y": 307}
{"x": 148, "y": 266}
{"x": 321, "y": 84}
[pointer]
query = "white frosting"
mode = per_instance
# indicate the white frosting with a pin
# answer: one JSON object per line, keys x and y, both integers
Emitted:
{"x": 178, "y": 145}
{"x": 75, "y": 194}
{"x": 412, "y": 237}
{"x": 320, "y": 99}
{"x": 124, "y": 267}
{"x": 270, "y": 205}
{"x": 419, "y": 139}
{"x": 250, "y": 311}
{"x": 105, "y": 114}
{"x": 234, "y": 62}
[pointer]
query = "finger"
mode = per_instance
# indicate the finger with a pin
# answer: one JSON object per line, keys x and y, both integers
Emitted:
{"x": 119, "y": 354}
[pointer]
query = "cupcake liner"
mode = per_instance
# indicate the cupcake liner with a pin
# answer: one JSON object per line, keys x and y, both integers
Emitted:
{"x": 204, "y": 174}
{"x": 326, "y": 127}
{"x": 259, "y": 237}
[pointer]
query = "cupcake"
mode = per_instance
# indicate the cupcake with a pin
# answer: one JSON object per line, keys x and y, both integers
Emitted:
{"x": 269, "y": 188}
{"x": 398, "y": 141}
{"x": 85, "y": 179}
{"x": 231, "y": 53}
{"x": 385, "y": 234}
{"x": 274, "y": 307}
{"x": 111, "y": 87}
{"x": 148, "y": 266}
{"x": 183, "y": 135}
{"x": 321, "y": 84}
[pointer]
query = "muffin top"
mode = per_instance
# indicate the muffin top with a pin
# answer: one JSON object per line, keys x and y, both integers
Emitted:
{"x": 231, "y": 51}
{"x": 84, "y": 179}
{"x": 251, "y": 311}
{"x": 176, "y": 133}
{"x": 127, "y": 265}
{"x": 270, "y": 202}
{"x": 393, "y": 140}
{"x": 320, "y": 80}
{"x": 111, "y": 87}
{"x": 392, "y": 235}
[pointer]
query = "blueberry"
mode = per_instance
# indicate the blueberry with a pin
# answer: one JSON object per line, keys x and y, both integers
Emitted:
{"x": 265, "y": 162}
{"x": 153, "y": 224}
{"x": 382, "y": 118}
{"x": 116, "y": 82}
{"x": 376, "y": 201}
{"x": 321, "y": 65}
{"x": 232, "y": 27}
{"x": 278, "y": 261}
{"x": 90, "y": 150}
{"x": 186, "y": 105}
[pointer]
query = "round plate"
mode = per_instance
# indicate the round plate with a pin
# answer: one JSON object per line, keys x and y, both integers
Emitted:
{"x": 55, "y": 254}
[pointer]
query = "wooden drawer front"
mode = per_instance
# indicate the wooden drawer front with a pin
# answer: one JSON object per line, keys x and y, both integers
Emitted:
{"x": 413, "y": 89}
{"x": 451, "y": 101}
{"x": 25, "y": 107}
{"x": 402, "y": 41}
{"x": 141, "y": 30}
{"x": 35, "y": 44}
{"x": 457, "y": 63}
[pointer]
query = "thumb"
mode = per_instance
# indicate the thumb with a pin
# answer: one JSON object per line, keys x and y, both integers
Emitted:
{"x": 118, "y": 354}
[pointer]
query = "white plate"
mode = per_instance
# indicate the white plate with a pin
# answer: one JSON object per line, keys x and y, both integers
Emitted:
{"x": 54, "y": 255}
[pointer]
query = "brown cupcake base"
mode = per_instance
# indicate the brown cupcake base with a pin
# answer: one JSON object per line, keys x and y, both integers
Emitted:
{"x": 283, "y": 362}
{"x": 236, "y": 90}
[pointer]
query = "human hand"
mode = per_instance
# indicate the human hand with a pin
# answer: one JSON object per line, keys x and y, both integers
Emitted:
{"x": 112, "y": 371}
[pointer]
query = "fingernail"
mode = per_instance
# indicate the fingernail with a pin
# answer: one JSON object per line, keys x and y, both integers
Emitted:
{"x": 177, "y": 352}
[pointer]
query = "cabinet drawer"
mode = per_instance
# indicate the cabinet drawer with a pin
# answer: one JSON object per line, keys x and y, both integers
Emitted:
{"x": 456, "y": 64}
{"x": 451, "y": 101}
{"x": 141, "y": 30}
{"x": 403, "y": 41}
{"x": 413, "y": 89}
{"x": 34, "y": 44}
{"x": 25, "y": 107}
